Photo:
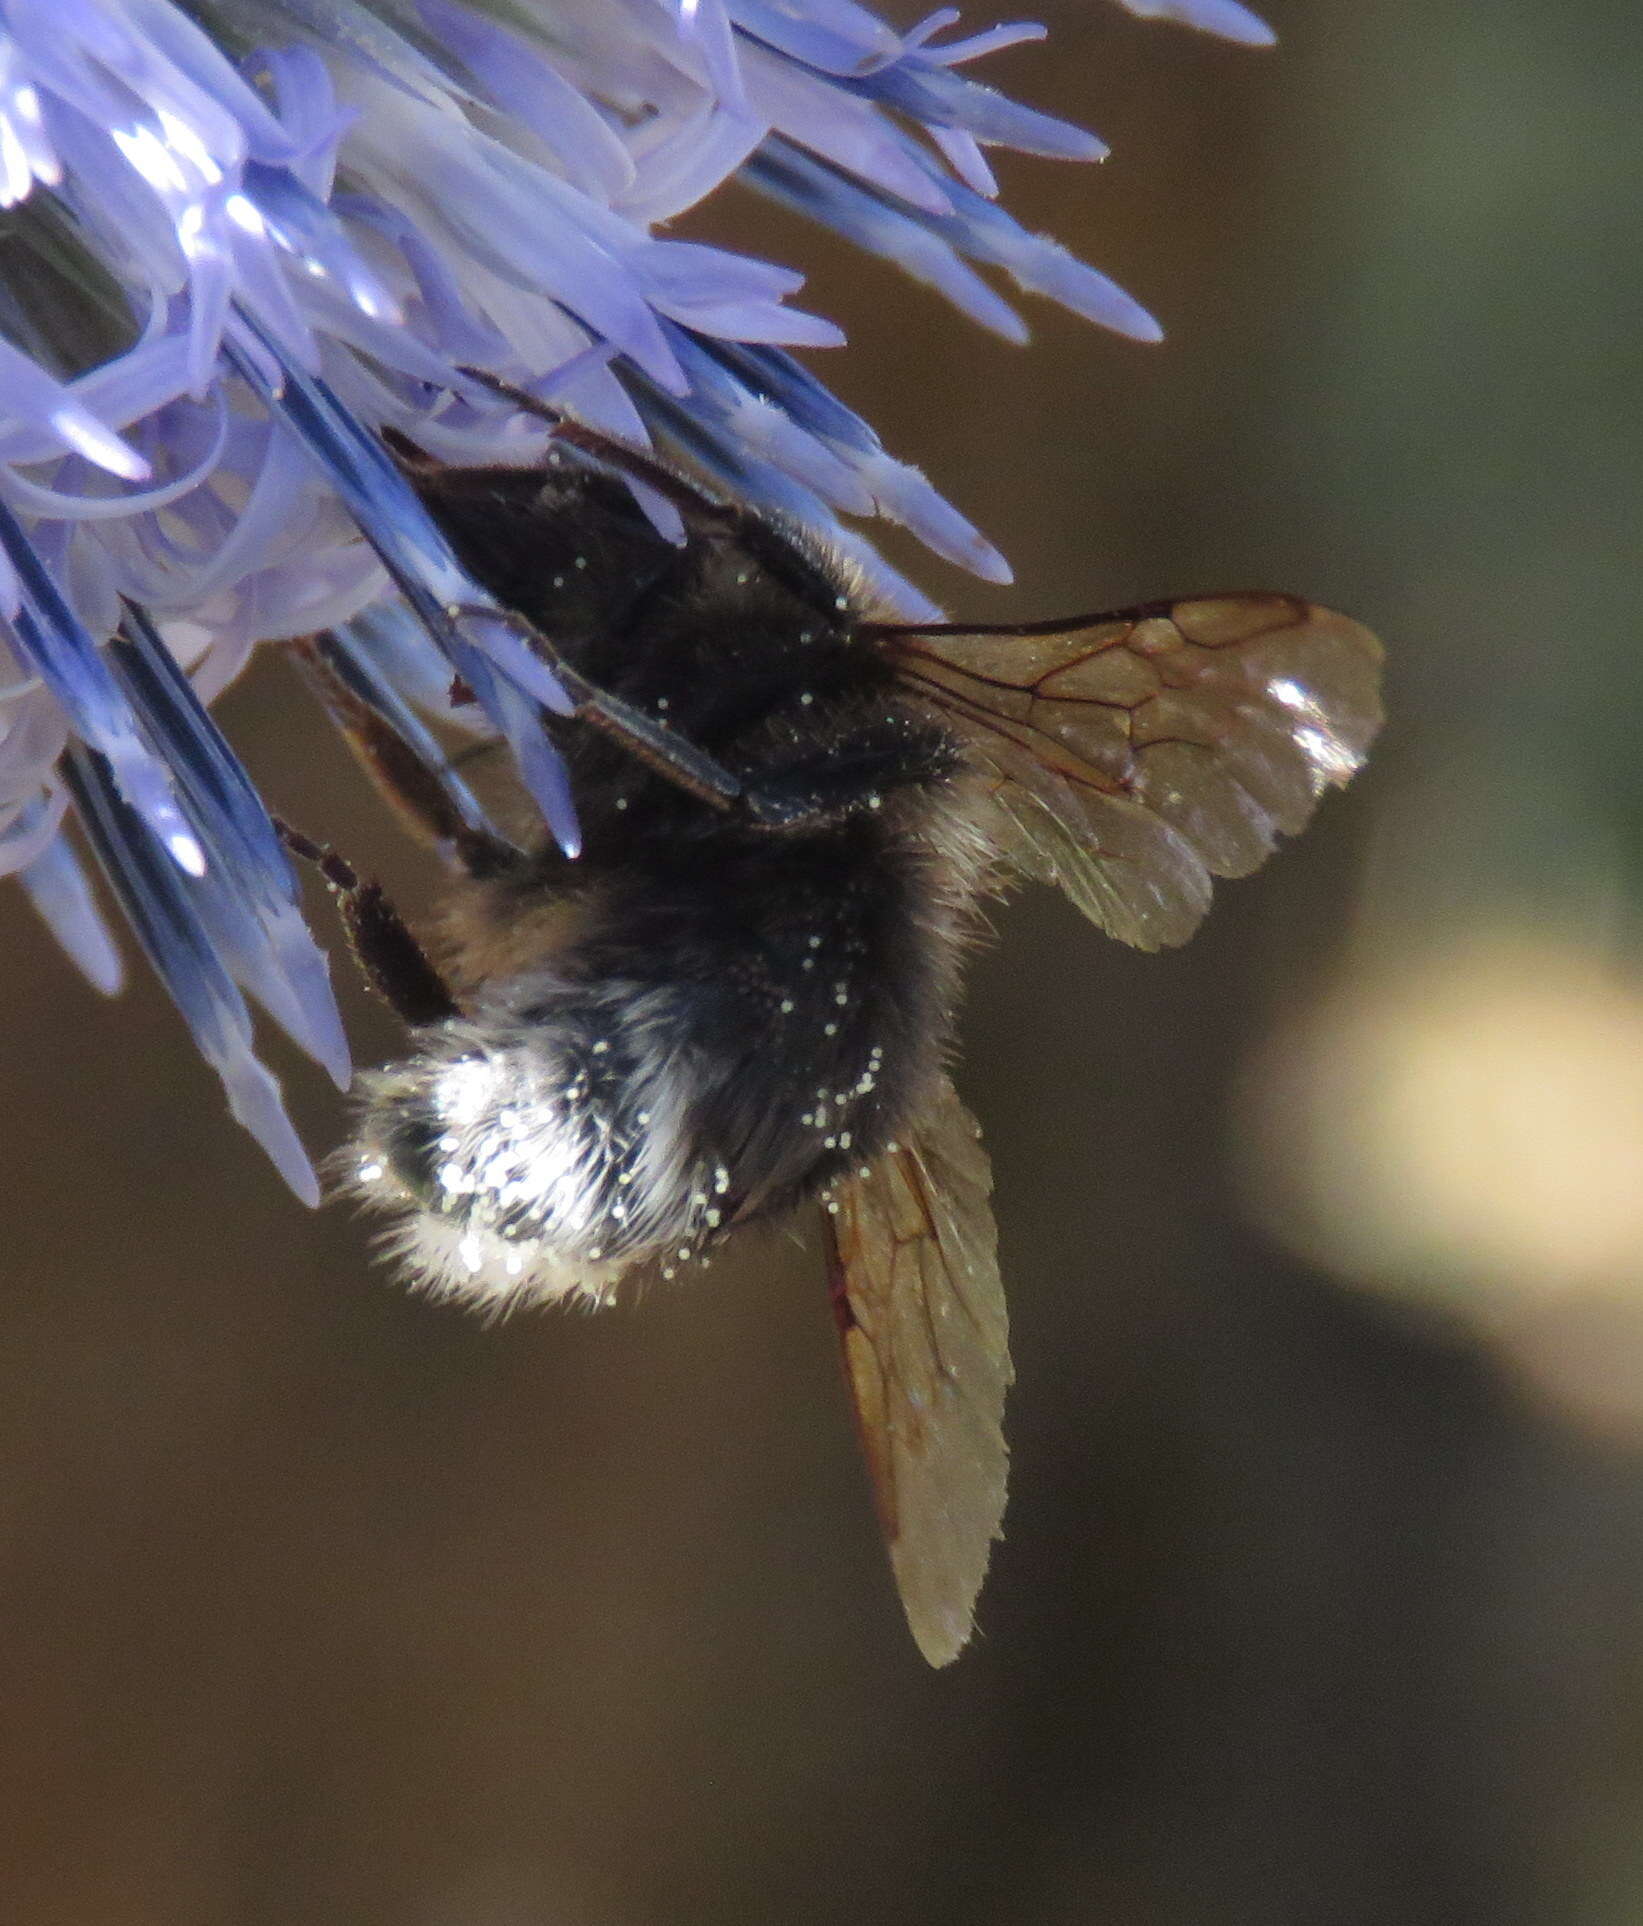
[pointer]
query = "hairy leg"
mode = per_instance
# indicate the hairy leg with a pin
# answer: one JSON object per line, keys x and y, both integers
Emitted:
{"x": 390, "y": 958}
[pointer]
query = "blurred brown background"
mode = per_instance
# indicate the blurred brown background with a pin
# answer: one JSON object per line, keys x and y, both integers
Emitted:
{"x": 1319, "y": 1606}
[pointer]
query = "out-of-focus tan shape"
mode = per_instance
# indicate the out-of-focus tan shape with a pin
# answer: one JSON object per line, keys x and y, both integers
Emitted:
{"x": 1476, "y": 1113}
{"x": 1467, "y": 1126}
{"x": 1582, "y": 1353}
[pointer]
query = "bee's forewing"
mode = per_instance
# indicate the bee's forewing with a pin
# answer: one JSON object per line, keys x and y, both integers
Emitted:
{"x": 1133, "y": 756}
{"x": 914, "y": 1265}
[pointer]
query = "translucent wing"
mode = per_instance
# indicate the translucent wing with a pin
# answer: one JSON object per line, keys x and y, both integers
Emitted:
{"x": 1133, "y": 756}
{"x": 914, "y": 1271}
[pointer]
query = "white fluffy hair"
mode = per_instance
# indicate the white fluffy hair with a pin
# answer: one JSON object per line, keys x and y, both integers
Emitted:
{"x": 538, "y": 1149}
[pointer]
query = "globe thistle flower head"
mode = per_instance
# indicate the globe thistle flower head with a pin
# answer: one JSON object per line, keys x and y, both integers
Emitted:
{"x": 241, "y": 240}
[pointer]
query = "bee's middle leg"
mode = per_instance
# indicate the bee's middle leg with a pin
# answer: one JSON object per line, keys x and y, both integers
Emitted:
{"x": 399, "y": 773}
{"x": 389, "y": 956}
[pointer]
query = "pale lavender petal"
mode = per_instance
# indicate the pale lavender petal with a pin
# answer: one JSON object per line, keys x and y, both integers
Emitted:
{"x": 29, "y": 830}
{"x": 896, "y": 234}
{"x": 85, "y": 570}
{"x": 280, "y": 479}
{"x": 905, "y": 496}
{"x": 534, "y": 232}
{"x": 135, "y": 384}
{"x": 825, "y": 118}
{"x": 311, "y": 121}
{"x": 457, "y": 331}
{"x": 26, "y": 153}
{"x": 48, "y": 635}
{"x": 964, "y": 156}
{"x": 770, "y": 372}
{"x": 679, "y": 160}
{"x": 767, "y": 431}
{"x": 308, "y": 231}
{"x": 296, "y": 597}
{"x": 523, "y": 82}
{"x": 838, "y": 37}
{"x": 158, "y": 903}
{"x": 33, "y": 733}
{"x": 719, "y": 293}
{"x": 57, "y": 887}
{"x": 190, "y": 73}
{"x": 36, "y": 500}
{"x": 932, "y": 93}
{"x": 1041, "y": 266}
{"x": 1224, "y": 17}
{"x": 48, "y": 405}
{"x": 975, "y": 226}
{"x": 977, "y": 45}
{"x": 707, "y": 24}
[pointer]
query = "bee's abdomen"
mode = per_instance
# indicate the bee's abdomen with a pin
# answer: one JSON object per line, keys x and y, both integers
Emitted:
{"x": 541, "y": 1146}
{"x": 813, "y": 982}
{"x": 708, "y": 1047}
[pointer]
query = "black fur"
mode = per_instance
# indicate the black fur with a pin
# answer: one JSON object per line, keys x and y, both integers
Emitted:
{"x": 798, "y": 980}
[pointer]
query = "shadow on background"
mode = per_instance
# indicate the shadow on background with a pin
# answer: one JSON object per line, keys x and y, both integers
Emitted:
{"x": 1320, "y": 1597}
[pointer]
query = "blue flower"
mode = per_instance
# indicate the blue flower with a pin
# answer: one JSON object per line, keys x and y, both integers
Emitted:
{"x": 245, "y": 239}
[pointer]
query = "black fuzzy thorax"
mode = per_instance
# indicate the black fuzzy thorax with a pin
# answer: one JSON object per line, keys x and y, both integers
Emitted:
{"x": 803, "y": 976}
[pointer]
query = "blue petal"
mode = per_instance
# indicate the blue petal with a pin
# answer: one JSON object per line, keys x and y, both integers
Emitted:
{"x": 383, "y": 656}
{"x": 708, "y": 24}
{"x": 796, "y": 487}
{"x": 36, "y": 398}
{"x": 393, "y": 521}
{"x": 524, "y": 83}
{"x": 929, "y": 92}
{"x": 1224, "y": 17}
{"x": 836, "y": 36}
{"x": 975, "y": 226}
{"x": 249, "y": 896}
{"x": 795, "y": 390}
{"x": 981, "y": 229}
{"x": 401, "y": 657}
{"x": 540, "y": 768}
{"x": 900, "y": 234}
{"x": 758, "y": 481}
{"x": 156, "y": 899}
{"x": 153, "y": 373}
{"x": 308, "y": 231}
{"x": 192, "y": 54}
{"x": 57, "y": 887}
{"x": 48, "y": 635}
{"x": 60, "y": 505}
{"x": 371, "y": 487}
{"x": 459, "y": 333}
{"x": 311, "y": 120}
{"x": 904, "y": 495}
{"x": 477, "y": 636}
{"x": 766, "y": 431}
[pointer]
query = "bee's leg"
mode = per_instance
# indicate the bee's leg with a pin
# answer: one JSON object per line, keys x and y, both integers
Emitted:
{"x": 390, "y": 958}
{"x": 694, "y": 503}
{"x": 657, "y": 746}
{"x": 400, "y": 774}
{"x": 796, "y": 806}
